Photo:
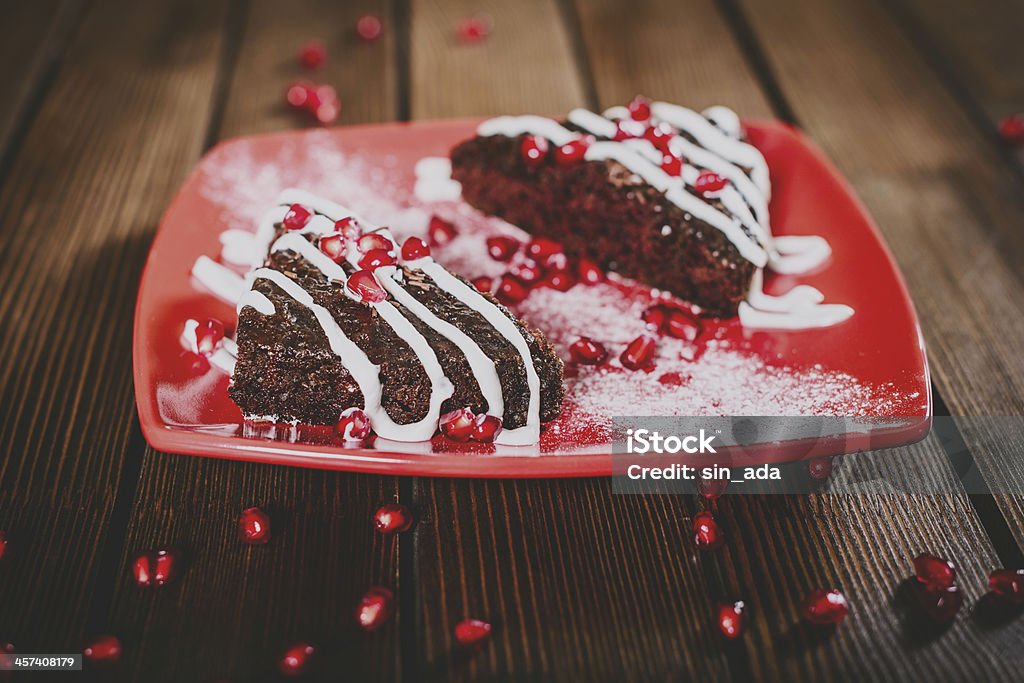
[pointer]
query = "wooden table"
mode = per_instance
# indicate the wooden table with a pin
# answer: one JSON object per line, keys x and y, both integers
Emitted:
{"x": 106, "y": 106}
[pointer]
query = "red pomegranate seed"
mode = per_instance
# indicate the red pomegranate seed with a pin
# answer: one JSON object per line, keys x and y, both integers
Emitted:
{"x": 586, "y": 351}
{"x": 296, "y": 217}
{"x": 681, "y": 325}
{"x": 365, "y": 286}
{"x": 560, "y": 280}
{"x": 1011, "y": 129}
{"x": 712, "y": 488}
{"x": 414, "y": 249}
{"x": 440, "y": 231}
{"x": 369, "y": 27}
{"x": 334, "y": 246}
{"x": 660, "y": 136}
{"x": 392, "y": 518}
{"x": 1008, "y": 584}
{"x": 572, "y": 152}
{"x": 502, "y": 248}
{"x": 639, "y": 108}
{"x": 707, "y": 535}
{"x": 939, "y": 604}
{"x": 556, "y": 261}
{"x": 104, "y": 650}
{"x": 458, "y": 424}
{"x": 483, "y": 284}
{"x": 639, "y": 354}
{"x": 708, "y": 182}
{"x": 324, "y": 104}
{"x": 295, "y": 659}
{"x": 473, "y": 29}
{"x": 526, "y": 271}
{"x": 165, "y": 566}
{"x": 254, "y": 526}
{"x": 297, "y": 94}
{"x": 732, "y": 619}
{"x": 628, "y": 130}
{"x": 209, "y": 335}
{"x": 672, "y": 165}
{"x": 3, "y": 543}
{"x": 472, "y": 631}
{"x": 655, "y": 317}
{"x": 533, "y": 150}
{"x": 377, "y": 258}
{"x": 312, "y": 55}
{"x": 824, "y": 607}
{"x": 194, "y": 363}
{"x": 375, "y": 608}
{"x": 348, "y": 227}
{"x": 374, "y": 240}
{"x": 486, "y": 428}
{"x": 589, "y": 272}
{"x": 540, "y": 248}
{"x": 820, "y": 468}
{"x": 353, "y": 425}
{"x": 510, "y": 290}
{"x": 142, "y": 570}
{"x": 934, "y": 572}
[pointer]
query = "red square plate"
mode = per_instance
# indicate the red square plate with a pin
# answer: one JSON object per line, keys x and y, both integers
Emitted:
{"x": 871, "y": 365}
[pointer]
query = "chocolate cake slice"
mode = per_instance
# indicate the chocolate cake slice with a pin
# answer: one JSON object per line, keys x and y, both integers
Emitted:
{"x": 655, "y": 192}
{"x": 340, "y": 317}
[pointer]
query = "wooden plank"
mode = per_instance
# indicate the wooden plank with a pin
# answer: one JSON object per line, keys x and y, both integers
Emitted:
{"x": 83, "y": 195}
{"x": 237, "y": 608}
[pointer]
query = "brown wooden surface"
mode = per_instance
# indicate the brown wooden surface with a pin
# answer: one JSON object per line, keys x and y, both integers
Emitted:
{"x": 100, "y": 127}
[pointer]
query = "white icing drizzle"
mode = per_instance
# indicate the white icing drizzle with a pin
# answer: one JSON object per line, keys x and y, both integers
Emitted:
{"x": 800, "y": 308}
{"x": 512, "y": 126}
{"x": 223, "y": 357}
{"x": 224, "y": 283}
{"x": 799, "y": 253}
{"x": 725, "y": 120}
{"x": 256, "y": 300}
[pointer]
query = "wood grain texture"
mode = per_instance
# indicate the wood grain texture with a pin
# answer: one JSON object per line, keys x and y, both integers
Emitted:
{"x": 237, "y": 608}
{"x": 84, "y": 193}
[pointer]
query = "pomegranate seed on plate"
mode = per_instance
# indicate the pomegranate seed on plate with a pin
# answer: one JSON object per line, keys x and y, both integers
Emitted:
{"x": 375, "y": 608}
{"x": 533, "y": 150}
{"x": 1008, "y": 584}
{"x": 586, "y": 351}
{"x": 639, "y": 354}
{"x": 526, "y": 270}
{"x": 377, "y": 258}
{"x": 312, "y": 55}
{"x": 672, "y": 165}
{"x": 254, "y": 526}
{"x": 502, "y": 248}
{"x": 589, "y": 272}
{"x": 824, "y": 607}
{"x": 712, "y": 488}
{"x": 483, "y": 284}
{"x": 655, "y": 317}
{"x": 640, "y": 108}
{"x": 353, "y": 425}
{"x": 681, "y": 325}
{"x": 103, "y": 650}
{"x": 660, "y": 136}
{"x": 820, "y": 468}
{"x": 458, "y": 424}
{"x": 510, "y": 290}
{"x": 940, "y": 604}
{"x": 473, "y": 29}
{"x": 708, "y": 182}
{"x": 392, "y": 518}
{"x": 296, "y": 217}
{"x": 414, "y": 249}
{"x": 707, "y": 535}
{"x": 334, "y": 246}
{"x": 559, "y": 280}
{"x": 934, "y": 572}
{"x": 732, "y": 619}
{"x": 472, "y": 631}
{"x": 369, "y": 27}
{"x": 348, "y": 227}
{"x": 572, "y": 152}
{"x": 296, "y": 659}
{"x": 541, "y": 248}
{"x": 365, "y": 286}
{"x": 209, "y": 335}
{"x": 440, "y": 231}
{"x": 1011, "y": 129}
{"x": 194, "y": 363}
{"x": 486, "y": 428}
{"x": 374, "y": 240}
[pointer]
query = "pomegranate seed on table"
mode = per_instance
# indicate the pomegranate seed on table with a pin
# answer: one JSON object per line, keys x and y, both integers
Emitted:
{"x": 502, "y": 248}
{"x": 103, "y": 650}
{"x": 3, "y": 543}
{"x": 165, "y": 566}
{"x": 440, "y": 231}
{"x": 940, "y": 604}
{"x": 473, "y": 29}
{"x": 707, "y": 535}
{"x": 572, "y": 152}
{"x": 639, "y": 108}
{"x": 526, "y": 271}
{"x": 533, "y": 150}
{"x": 732, "y": 619}
{"x": 296, "y": 217}
{"x": 1008, "y": 584}
{"x": 142, "y": 570}
{"x": 334, "y": 246}
{"x": 353, "y": 425}
{"x": 934, "y": 572}
{"x": 324, "y": 104}
{"x": 708, "y": 182}
{"x": 820, "y": 468}
{"x": 209, "y": 335}
{"x": 1011, "y": 129}
{"x": 377, "y": 258}
{"x": 660, "y": 136}
{"x": 295, "y": 659}
{"x": 586, "y": 351}
{"x": 712, "y": 488}
{"x": 375, "y": 608}
{"x": 363, "y": 284}
{"x": 589, "y": 273}
{"x": 414, "y": 248}
{"x": 510, "y": 290}
{"x": 374, "y": 240}
{"x": 483, "y": 284}
{"x": 312, "y": 55}
{"x": 458, "y": 424}
{"x": 824, "y": 607}
{"x": 392, "y": 518}
{"x": 348, "y": 227}
{"x": 297, "y": 94}
{"x": 369, "y": 27}
{"x": 472, "y": 631}
{"x": 486, "y": 428}
{"x": 681, "y": 325}
{"x": 639, "y": 354}
{"x": 254, "y": 526}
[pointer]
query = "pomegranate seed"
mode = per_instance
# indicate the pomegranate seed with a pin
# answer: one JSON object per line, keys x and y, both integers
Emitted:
{"x": 392, "y": 518}
{"x": 365, "y": 286}
{"x": 142, "y": 570}
{"x": 708, "y": 182}
{"x": 1011, "y": 129}
{"x": 440, "y": 231}
{"x": 104, "y": 650}
{"x": 296, "y": 217}
{"x": 473, "y": 29}
{"x": 377, "y": 258}
{"x": 375, "y": 608}
{"x": 934, "y": 572}
{"x": 820, "y": 468}
{"x": 628, "y": 130}
{"x": 165, "y": 567}
{"x": 369, "y": 27}
{"x": 3, "y": 543}
{"x": 483, "y": 284}
{"x": 707, "y": 535}
{"x": 209, "y": 335}
{"x": 296, "y": 659}
{"x": 572, "y": 152}
{"x": 681, "y": 325}
{"x": 297, "y": 94}
{"x": 324, "y": 104}
{"x": 541, "y": 248}
{"x": 374, "y": 240}
{"x": 194, "y": 363}
{"x": 639, "y": 354}
{"x": 824, "y": 607}
{"x": 353, "y": 425}
{"x": 510, "y": 290}
{"x": 655, "y": 317}
{"x": 312, "y": 54}
{"x": 486, "y": 428}
{"x": 586, "y": 351}
{"x": 672, "y": 165}
{"x": 732, "y": 619}
{"x": 660, "y": 136}
{"x": 472, "y": 631}
{"x": 348, "y": 227}
{"x": 711, "y": 488}
{"x": 414, "y": 249}
{"x": 589, "y": 272}
{"x": 334, "y": 246}
{"x": 502, "y": 248}
{"x": 939, "y": 604}
{"x": 556, "y": 261}
{"x": 533, "y": 150}
{"x": 639, "y": 108}
{"x": 1008, "y": 584}
{"x": 254, "y": 526}
{"x": 526, "y": 271}
{"x": 559, "y": 280}
{"x": 458, "y": 424}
